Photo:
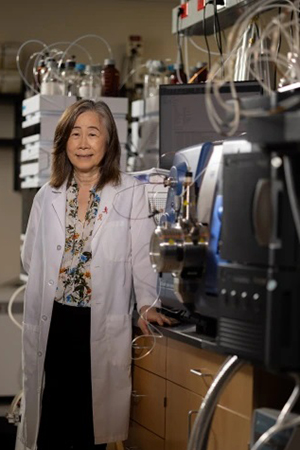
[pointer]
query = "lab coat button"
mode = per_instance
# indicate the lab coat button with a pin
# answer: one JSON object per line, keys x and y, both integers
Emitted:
{"x": 58, "y": 247}
{"x": 44, "y": 317}
{"x": 40, "y": 353}
{"x": 50, "y": 282}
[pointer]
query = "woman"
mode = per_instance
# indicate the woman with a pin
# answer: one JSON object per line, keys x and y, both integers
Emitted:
{"x": 86, "y": 244}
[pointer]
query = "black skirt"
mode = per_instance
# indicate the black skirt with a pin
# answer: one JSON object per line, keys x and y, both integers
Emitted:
{"x": 67, "y": 415}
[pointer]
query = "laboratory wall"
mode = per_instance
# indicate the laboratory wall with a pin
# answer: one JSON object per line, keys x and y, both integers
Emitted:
{"x": 114, "y": 20}
{"x": 10, "y": 223}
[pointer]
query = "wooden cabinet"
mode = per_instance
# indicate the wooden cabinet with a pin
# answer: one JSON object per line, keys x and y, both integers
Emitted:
{"x": 195, "y": 369}
{"x": 168, "y": 388}
{"x": 229, "y": 430}
{"x": 148, "y": 401}
{"x": 155, "y": 362}
{"x": 141, "y": 438}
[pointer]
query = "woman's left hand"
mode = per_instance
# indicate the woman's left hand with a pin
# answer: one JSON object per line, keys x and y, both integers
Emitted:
{"x": 148, "y": 314}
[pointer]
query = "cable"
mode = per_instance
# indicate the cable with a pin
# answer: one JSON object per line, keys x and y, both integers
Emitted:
{"x": 152, "y": 331}
{"x": 196, "y": 74}
{"x": 186, "y": 53}
{"x": 199, "y": 435}
{"x": 217, "y": 31}
{"x": 18, "y": 60}
{"x": 215, "y": 82}
{"x": 291, "y": 401}
{"x": 205, "y": 36}
{"x": 197, "y": 46}
{"x": 179, "y": 48}
{"x": 10, "y": 303}
{"x": 132, "y": 72}
{"x": 13, "y": 416}
{"x": 277, "y": 53}
{"x": 88, "y": 36}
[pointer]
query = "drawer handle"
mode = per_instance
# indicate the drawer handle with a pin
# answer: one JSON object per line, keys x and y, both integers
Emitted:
{"x": 190, "y": 413}
{"x": 135, "y": 395}
{"x": 201, "y": 373}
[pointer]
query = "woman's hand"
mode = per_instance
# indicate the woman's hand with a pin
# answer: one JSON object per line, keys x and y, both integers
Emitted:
{"x": 148, "y": 314}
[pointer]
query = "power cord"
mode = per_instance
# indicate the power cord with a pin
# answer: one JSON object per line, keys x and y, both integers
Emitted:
{"x": 179, "y": 13}
{"x": 205, "y": 34}
{"x": 217, "y": 31}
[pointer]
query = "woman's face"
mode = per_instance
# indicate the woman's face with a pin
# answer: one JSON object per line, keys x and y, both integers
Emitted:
{"x": 86, "y": 145}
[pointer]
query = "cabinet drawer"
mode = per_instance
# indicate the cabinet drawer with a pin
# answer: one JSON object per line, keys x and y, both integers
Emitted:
{"x": 148, "y": 401}
{"x": 182, "y": 358}
{"x": 154, "y": 362}
{"x": 228, "y": 431}
{"x": 180, "y": 402}
{"x": 141, "y": 439}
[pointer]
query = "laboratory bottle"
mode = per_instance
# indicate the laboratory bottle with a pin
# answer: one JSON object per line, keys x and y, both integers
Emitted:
{"x": 150, "y": 87}
{"x": 80, "y": 71}
{"x": 178, "y": 75}
{"x": 90, "y": 85}
{"x": 39, "y": 73}
{"x": 168, "y": 72}
{"x": 71, "y": 78}
{"x": 110, "y": 79}
{"x": 96, "y": 81}
{"x": 50, "y": 84}
{"x": 153, "y": 78}
{"x": 61, "y": 75}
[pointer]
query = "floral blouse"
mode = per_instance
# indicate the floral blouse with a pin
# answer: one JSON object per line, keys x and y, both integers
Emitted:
{"x": 74, "y": 282}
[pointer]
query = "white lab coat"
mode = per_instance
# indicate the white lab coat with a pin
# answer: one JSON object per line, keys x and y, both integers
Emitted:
{"x": 120, "y": 249}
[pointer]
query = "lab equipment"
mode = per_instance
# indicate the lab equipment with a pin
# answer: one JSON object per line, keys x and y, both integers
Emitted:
{"x": 50, "y": 82}
{"x": 110, "y": 79}
{"x": 90, "y": 83}
{"x": 183, "y": 118}
{"x": 263, "y": 420}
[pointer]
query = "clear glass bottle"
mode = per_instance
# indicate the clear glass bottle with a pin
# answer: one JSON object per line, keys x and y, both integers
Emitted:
{"x": 168, "y": 72}
{"x": 80, "y": 71}
{"x": 178, "y": 76}
{"x": 110, "y": 79}
{"x": 153, "y": 78}
{"x": 96, "y": 81}
{"x": 90, "y": 85}
{"x": 39, "y": 73}
{"x": 71, "y": 78}
{"x": 50, "y": 84}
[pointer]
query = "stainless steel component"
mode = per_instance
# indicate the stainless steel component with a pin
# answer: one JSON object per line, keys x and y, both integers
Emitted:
{"x": 181, "y": 248}
{"x": 166, "y": 249}
{"x": 202, "y": 423}
{"x": 190, "y": 414}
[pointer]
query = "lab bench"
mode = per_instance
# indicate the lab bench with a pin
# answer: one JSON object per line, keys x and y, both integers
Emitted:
{"x": 171, "y": 382}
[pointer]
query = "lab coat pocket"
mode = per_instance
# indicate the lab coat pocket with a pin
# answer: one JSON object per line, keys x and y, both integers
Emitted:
{"x": 116, "y": 241}
{"x": 119, "y": 335}
{"x": 30, "y": 348}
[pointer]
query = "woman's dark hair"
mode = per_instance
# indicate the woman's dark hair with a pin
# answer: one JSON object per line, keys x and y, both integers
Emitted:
{"x": 62, "y": 169}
